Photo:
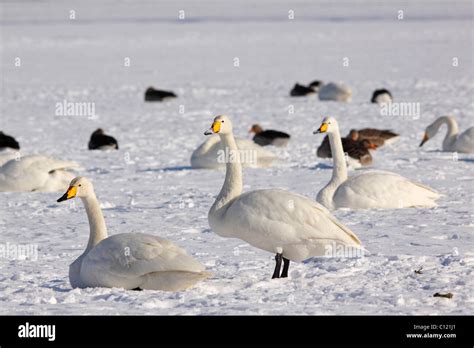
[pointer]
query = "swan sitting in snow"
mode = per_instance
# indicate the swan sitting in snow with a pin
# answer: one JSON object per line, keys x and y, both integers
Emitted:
{"x": 453, "y": 141}
{"x": 212, "y": 155}
{"x": 374, "y": 189}
{"x": 128, "y": 260}
{"x": 35, "y": 173}
{"x": 336, "y": 92}
{"x": 293, "y": 227}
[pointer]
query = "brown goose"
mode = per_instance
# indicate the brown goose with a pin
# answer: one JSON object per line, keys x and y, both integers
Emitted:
{"x": 357, "y": 150}
{"x": 377, "y": 137}
{"x": 269, "y": 136}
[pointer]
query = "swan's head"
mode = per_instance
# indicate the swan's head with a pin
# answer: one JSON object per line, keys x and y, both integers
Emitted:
{"x": 221, "y": 125}
{"x": 430, "y": 132}
{"x": 79, "y": 187}
{"x": 329, "y": 125}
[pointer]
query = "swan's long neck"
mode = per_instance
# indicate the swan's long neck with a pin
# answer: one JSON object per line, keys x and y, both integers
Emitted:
{"x": 98, "y": 229}
{"x": 233, "y": 176}
{"x": 339, "y": 171}
{"x": 452, "y": 132}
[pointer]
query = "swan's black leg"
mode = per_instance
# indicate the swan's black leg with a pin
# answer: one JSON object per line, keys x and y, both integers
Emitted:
{"x": 137, "y": 289}
{"x": 286, "y": 266}
{"x": 276, "y": 273}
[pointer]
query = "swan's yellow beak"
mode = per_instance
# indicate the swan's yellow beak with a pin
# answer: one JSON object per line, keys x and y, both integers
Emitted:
{"x": 70, "y": 193}
{"x": 215, "y": 128}
{"x": 322, "y": 129}
{"x": 425, "y": 139}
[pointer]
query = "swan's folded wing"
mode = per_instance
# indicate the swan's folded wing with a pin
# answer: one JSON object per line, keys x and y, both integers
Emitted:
{"x": 136, "y": 254}
{"x": 288, "y": 218}
{"x": 36, "y": 163}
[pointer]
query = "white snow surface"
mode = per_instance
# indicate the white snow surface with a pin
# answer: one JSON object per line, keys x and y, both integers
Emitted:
{"x": 148, "y": 186}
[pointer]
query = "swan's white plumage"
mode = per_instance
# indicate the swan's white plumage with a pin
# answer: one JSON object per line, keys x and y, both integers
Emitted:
{"x": 336, "y": 92}
{"x": 374, "y": 189}
{"x": 35, "y": 173}
{"x": 146, "y": 265}
{"x": 206, "y": 155}
{"x": 453, "y": 141}
{"x": 273, "y": 220}
{"x": 384, "y": 190}
{"x": 128, "y": 260}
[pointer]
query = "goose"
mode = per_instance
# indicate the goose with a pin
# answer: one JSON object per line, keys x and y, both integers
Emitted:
{"x": 152, "y": 94}
{"x": 269, "y": 136}
{"x": 374, "y": 189}
{"x": 301, "y": 91}
{"x": 100, "y": 141}
{"x": 8, "y": 142}
{"x": 35, "y": 173}
{"x": 135, "y": 261}
{"x": 381, "y": 96}
{"x": 357, "y": 151}
{"x": 336, "y": 92}
{"x": 378, "y": 137}
{"x": 463, "y": 143}
{"x": 211, "y": 154}
{"x": 293, "y": 227}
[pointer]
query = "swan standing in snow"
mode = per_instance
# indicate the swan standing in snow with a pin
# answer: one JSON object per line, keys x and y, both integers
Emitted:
{"x": 35, "y": 173}
{"x": 293, "y": 227}
{"x": 375, "y": 189}
{"x": 454, "y": 142}
{"x": 210, "y": 154}
{"x": 127, "y": 260}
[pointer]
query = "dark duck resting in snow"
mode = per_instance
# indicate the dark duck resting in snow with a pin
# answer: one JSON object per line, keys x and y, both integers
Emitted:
{"x": 7, "y": 141}
{"x": 381, "y": 96}
{"x": 269, "y": 136}
{"x": 152, "y": 94}
{"x": 100, "y": 141}
{"x": 301, "y": 91}
{"x": 357, "y": 150}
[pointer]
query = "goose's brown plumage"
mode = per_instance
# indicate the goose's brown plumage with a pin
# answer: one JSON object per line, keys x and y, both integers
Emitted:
{"x": 358, "y": 150}
{"x": 377, "y": 137}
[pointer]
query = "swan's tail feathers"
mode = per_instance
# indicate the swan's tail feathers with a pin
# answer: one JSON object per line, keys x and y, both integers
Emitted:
{"x": 173, "y": 280}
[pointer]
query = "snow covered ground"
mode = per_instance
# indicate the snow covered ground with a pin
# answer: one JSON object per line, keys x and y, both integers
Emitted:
{"x": 147, "y": 185}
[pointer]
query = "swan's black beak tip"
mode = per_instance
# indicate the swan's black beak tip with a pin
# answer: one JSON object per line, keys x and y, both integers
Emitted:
{"x": 62, "y": 198}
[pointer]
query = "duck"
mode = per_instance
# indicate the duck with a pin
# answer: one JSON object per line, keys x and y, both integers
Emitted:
{"x": 377, "y": 137}
{"x": 132, "y": 261}
{"x": 152, "y": 94}
{"x": 301, "y": 91}
{"x": 100, "y": 141}
{"x": 291, "y": 226}
{"x": 336, "y": 92}
{"x": 381, "y": 96}
{"x": 370, "y": 189}
{"x": 453, "y": 141}
{"x": 8, "y": 142}
{"x": 212, "y": 155}
{"x": 35, "y": 173}
{"x": 269, "y": 136}
{"x": 358, "y": 151}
